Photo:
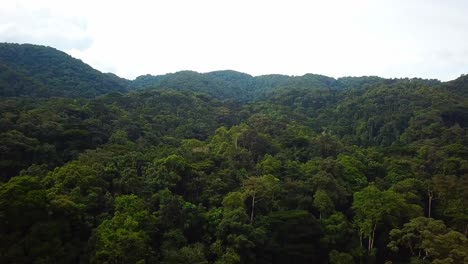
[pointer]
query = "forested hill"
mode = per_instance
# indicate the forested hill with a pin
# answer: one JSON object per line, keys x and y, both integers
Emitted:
{"x": 458, "y": 86}
{"x": 226, "y": 168}
{"x": 38, "y": 71}
{"x": 232, "y": 84}
{"x": 32, "y": 70}
{"x": 243, "y": 87}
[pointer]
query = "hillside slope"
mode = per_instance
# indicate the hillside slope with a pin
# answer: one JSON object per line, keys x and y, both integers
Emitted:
{"x": 32, "y": 70}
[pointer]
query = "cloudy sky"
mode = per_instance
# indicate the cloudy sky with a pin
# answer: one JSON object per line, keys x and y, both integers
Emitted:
{"x": 388, "y": 38}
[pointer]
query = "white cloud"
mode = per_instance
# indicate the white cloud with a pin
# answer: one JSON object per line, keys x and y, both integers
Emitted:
{"x": 336, "y": 38}
{"x": 41, "y": 25}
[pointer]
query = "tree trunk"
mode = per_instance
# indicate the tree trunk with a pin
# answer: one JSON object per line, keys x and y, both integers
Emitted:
{"x": 369, "y": 244}
{"x": 360, "y": 242}
{"x": 253, "y": 208}
{"x": 360, "y": 238}
{"x": 430, "y": 195}
{"x": 372, "y": 238}
{"x": 373, "y": 235}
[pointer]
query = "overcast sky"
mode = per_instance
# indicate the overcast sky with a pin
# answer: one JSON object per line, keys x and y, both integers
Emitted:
{"x": 393, "y": 38}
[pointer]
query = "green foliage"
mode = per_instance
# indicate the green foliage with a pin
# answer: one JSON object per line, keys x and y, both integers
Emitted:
{"x": 30, "y": 70}
{"x": 372, "y": 207}
{"x": 352, "y": 172}
{"x": 260, "y": 189}
{"x": 224, "y": 167}
{"x": 427, "y": 238}
{"x": 231, "y": 84}
{"x": 323, "y": 203}
{"x": 337, "y": 230}
{"x": 125, "y": 237}
{"x": 292, "y": 237}
{"x": 340, "y": 257}
{"x": 35, "y": 229}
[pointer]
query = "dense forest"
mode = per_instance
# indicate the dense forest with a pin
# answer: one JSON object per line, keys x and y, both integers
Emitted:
{"x": 224, "y": 167}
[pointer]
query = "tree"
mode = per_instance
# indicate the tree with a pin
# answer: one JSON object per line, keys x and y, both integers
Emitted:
{"x": 337, "y": 230}
{"x": 125, "y": 237}
{"x": 430, "y": 239}
{"x": 371, "y": 206}
{"x": 79, "y": 183}
{"x": 323, "y": 203}
{"x": 452, "y": 192}
{"x": 23, "y": 202}
{"x": 235, "y": 236}
{"x": 337, "y": 257}
{"x": 36, "y": 228}
{"x": 259, "y": 189}
{"x": 169, "y": 172}
{"x": 269, "y": 165}
{"x": 352, "y": 172}
{"x": 17, "y": 152}
{"x": 188, "y": 254}
{"x": 292, "y": 236}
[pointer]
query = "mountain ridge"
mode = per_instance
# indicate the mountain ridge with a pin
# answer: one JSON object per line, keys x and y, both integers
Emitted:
{"x": 41, "y": 71}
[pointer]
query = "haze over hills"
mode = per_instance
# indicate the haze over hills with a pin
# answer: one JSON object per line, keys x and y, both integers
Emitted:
{"x": 224, "y": 167}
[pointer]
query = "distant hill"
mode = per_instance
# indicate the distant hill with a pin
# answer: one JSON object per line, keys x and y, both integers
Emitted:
{"x": 458, "y": 86}
{"x": 232, "y": 84}
{"x": 32, "y": 70}
{"x": 39, "y": 71}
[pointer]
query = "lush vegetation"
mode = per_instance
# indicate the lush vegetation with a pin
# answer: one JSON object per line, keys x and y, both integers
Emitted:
{"x": 224, "y": 167}
{"x": 30, "y": 70}
{"x": 244, "y": 87}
